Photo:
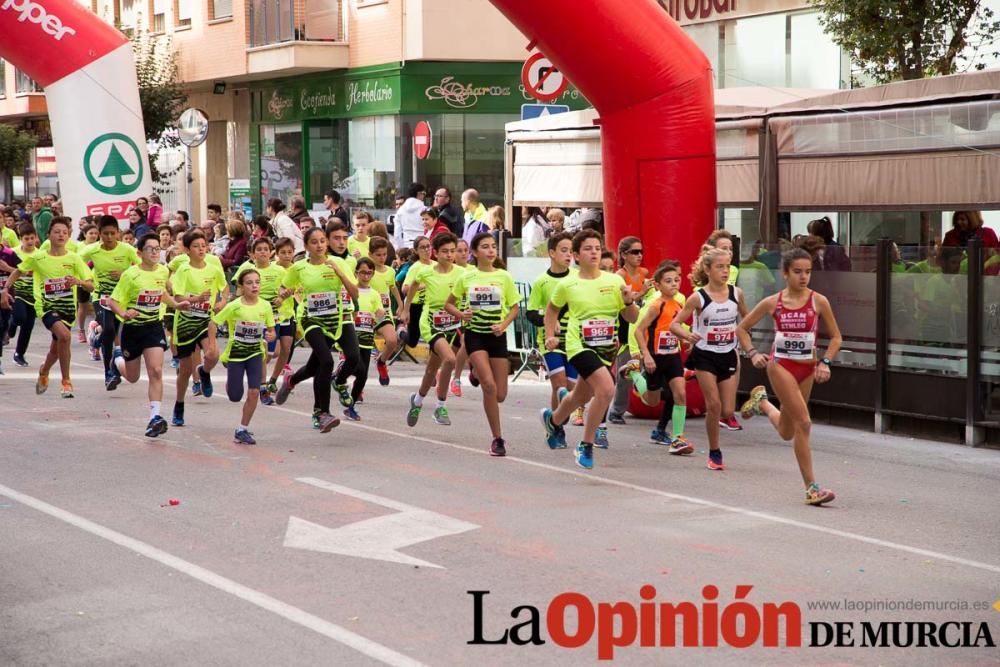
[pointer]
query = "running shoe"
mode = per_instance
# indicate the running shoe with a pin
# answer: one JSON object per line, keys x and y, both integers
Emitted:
{"x": 578, "y": 416}
{"x": 473, "y": 380}
{"x": 19, "y": 360}
{"x": 562, "y": 394}
{"x": 818, "y": 496}
{"x": 585, "y": 455}
{"x": 285, "y": 389}
{"x": 715, "y": 460}
{"x": 265, "y": 395}
{"x": 730, "y": 424}
{"x": 243, "y": 437}
{"x": 112, "y": 378}
{"x": 157, "y": 426}
{"x": 601, "y": 438}
{"x": 327, "y": 422}
{"x": 352, "y": 414}
{"x": 118, "y": 360}
{"x": 456, "y": 388}
{"x": 67, "y": 389}
{"x": 81, "y": 336}
{"x": 175, "y": 362}
{"x": 344, "y": 394}
{"x": 42, "y": 383}
{"x": 315, "y": 419}
{"x": 94, "y": 335}
{"x": 498, "y": 447}
{"x": 752, "y": 407}
{"x": 178, "y": 417}
{"x": 196, "y": 388}
{"x": 658, "y": 437}
{"x": 616, "y": 419}
{"x": 681, "y": 447}
{"x": 441, "y": 416}
{"x": 206, "y": 381}
{"x": 383, "y": 372}
{"x": 555, "y": 436}
{"x": 414, "y": 414}
{"x": 632, "y": 366}
{"x": 95, "y": 354}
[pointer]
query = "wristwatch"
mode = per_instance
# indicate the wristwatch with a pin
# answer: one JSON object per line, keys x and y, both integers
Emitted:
{"x": 826, "y": 360}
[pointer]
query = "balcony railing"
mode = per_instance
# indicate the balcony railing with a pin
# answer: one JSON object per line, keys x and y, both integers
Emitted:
{"x": 277, "y": 21}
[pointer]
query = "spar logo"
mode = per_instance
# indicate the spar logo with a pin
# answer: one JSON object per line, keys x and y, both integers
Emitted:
{"x": 35, "y": 13}
{"x": 113, "y": 164}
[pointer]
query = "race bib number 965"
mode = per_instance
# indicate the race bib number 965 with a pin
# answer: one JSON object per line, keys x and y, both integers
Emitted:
{"x": 597, "y": 333}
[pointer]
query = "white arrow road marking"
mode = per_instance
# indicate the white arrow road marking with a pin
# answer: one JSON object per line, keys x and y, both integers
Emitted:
{"x": 379, "y": 538}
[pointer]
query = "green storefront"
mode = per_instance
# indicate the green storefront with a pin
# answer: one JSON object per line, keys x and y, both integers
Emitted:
{"x": 352, "y": 130}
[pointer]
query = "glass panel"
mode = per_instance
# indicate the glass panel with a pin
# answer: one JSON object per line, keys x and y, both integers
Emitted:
{"x": 3, "y": 78}
{"x": 755, "y": 52}
{"x": 372, "y": 162}
{"x": 327, "y": 168}
{"x": 742, "y": 222}
{"x": 706, "y": 36}
{"x": 286, "y": 24}
{"x": 815, "y": 60}
{"x": 927, "y": 324}
{"x": 280, "y": 161}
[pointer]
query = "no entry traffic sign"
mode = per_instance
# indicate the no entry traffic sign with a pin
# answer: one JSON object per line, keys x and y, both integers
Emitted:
{"x": 422, "y": 140}
{"x": 541, "y": 79}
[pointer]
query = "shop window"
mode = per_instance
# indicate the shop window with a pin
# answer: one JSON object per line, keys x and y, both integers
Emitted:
{"x": 814, "y": 60}
{"x": 706, "y": 36}
{"x": 755, "y": 52}
{"x": 372, "y": 161}
{"x": 280, "y": 161}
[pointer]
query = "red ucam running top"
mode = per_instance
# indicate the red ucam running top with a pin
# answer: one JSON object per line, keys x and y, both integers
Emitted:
{"x": 52, "y": 39}
{"x": 795, "y": 330}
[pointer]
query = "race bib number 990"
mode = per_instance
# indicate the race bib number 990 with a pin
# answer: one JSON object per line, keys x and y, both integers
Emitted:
{"x": 597, "y": 333}
{"x": 797, "y": 345}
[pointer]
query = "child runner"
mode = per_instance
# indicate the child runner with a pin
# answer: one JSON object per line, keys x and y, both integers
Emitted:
{"x": 110, "y": 259}
{"x": 250, "y": 322}
{"x": 88, "y": 236}
{"x": 492, "y": 304}
{"x": 792, "y": 367}
{"x": 384, "y": 282}
{"x": 8, "y": 262}
{"x": 595, "y": 299}
{"x": 717, "y": 308}
{"x": 358, "y": 243}
{"x": 183, "y": 259}
{"x": 321, "y": 278}
{"x": 136, "y": 302}
{"x": 286, "y": 324}
{"x": 661, "y": 357}
{"x": 269, "y": 277}
{"x": 437, "y": 326}
{"x": 347, "y": 343}
{"x": 723, "y": 240}
{"x": 203, "y": 284}
{"x": 561, "y": 373}
{"x": 56, "y": 274}
{"x": 368, "y": 313}
{"x": 630, "y": 255}
{"x": 422, "y": 246}
{"x": 23, "y": 313}
{"x": 462, "y": 358}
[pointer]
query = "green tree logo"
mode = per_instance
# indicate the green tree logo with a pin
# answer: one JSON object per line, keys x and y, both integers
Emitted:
{"x": 115, "y": 167}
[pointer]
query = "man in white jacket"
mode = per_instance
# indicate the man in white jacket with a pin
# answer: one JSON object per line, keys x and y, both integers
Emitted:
{"x": 284, "y": 226}
{"x": 408, "y": 223}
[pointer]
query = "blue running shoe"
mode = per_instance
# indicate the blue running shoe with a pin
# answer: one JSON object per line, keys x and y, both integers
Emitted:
{"x": 601, "y": 438}
{"x": 112, "y": 378}
{"x": 175, "y": 362}
{"x": 243, "y": 437}
{"x": 352, "y": 414}
{"x": 585, "y": 455}
{"x": 562, "y": 394}
{"x": 157, "y": 426}
{"x": 206, "y": 382}
{"x": 178, "y": 418}
{"x": 196, "y": 389}
{"x": 658, "y": 437}
{"x": 555, "y": 436}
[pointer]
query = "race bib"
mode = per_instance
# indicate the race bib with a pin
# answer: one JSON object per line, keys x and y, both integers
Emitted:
{"x": 484, "y": 297}
{"x": 321, "y": 303}
{"x": 798, "y": 345}
{"x": 56, "y": 288}
{"x": 721, "y": 336}
{"x": 444, "y": 321}
{"x": 667, "y": 343}
{"x": 147, "y": 300}
{"x": 597, "y": 333}
{"x": 248, "y": 332}
{"x": 345, "y": 301}
{"x": 385, "y": 300}
{"x": 105, "y": 301}
{"x": 203, "y": 310}
{"x": 364, "y": 322}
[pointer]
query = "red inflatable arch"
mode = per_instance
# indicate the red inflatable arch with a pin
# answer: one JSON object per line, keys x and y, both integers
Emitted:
{"x": 88, "y": 72}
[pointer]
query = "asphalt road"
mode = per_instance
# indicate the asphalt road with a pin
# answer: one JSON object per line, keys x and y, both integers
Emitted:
{"x": 265, "y": 560}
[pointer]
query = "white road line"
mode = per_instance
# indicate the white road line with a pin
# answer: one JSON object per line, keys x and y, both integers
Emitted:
{"x": 266, "y": 602}
{"x": 766, "y": 516}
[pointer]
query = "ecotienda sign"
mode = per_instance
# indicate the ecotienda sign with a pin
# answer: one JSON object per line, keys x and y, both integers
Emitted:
{"x": 35, "y": 13}
{"x": 572, "y": 620}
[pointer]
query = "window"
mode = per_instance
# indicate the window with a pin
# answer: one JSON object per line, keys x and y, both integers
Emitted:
{"x": 280, "y": 161}
{"x": 127, "y": 15}
{"x": 222, "y": 9}
{"x": 159, "y": 13}
{"x": 3, "y": 78}
{"x": 182, "y": 13}
{"x": 25, "y": 84}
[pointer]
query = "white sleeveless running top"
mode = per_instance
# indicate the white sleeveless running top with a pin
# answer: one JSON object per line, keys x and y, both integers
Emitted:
{"x": 716, "y": 323}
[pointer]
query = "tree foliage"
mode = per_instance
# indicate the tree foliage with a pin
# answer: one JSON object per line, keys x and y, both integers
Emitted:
{"x": 161, "y": 96}
{"x": 15, "y": 148}
{"x": 891, "y": 40}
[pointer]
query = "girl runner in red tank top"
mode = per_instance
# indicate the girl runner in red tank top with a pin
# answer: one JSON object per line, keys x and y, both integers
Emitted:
{"x": 792, "y": 367}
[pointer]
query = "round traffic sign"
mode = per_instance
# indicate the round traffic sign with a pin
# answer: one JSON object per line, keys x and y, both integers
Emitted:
{"x": 541, "y": 79}
{"x": 422, "y": 140}
{"x": 192, "y": 127}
